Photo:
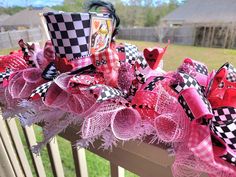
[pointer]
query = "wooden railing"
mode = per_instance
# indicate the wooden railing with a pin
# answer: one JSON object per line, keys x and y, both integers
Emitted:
{"x": 143, "y": 159}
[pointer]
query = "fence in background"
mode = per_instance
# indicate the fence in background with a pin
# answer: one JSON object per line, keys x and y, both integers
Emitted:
{"x": 10, "y": 39}
{"x": 206, "y": 35}
{"x": 183, "y": 35}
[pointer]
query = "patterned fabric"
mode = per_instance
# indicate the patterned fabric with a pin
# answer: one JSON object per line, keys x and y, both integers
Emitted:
{"x": 152, "y": 84}
{"x": 41, "y": 90}
{"x": 230, "y": 157}
{"x": 188, "y": 81}
{"x": 50, "y": 72}
{"x": 186, "y": 107}
{"x": 200, "y": 143}
{"x": 69, "y": 33}
{"x": 231, "y": 76}
{"x": 140, "y": 77}
{"x": 81, "y": 62}
{"x": 133, "y": 89}
{"x": 105, "y": 61}
{"x": 201, "y": 68}
{"x": 133, "y": 56}
{"x": 224, "y": 125}
{"x": 5, "y": 75}
{"x": 81, "y": 79}
{"x": 107, "y": 92}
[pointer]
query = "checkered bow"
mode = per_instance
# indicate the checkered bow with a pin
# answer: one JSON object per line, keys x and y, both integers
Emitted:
{"x": 132, "y": 55}
{"x": 5, "y": 75}
{"x": 41, "y": 90}
{"x": 223, "y": 125}
{"x": 105, "y": 61}
{"x": 201, "y": 143}
{"x": 231, "y": 74}
{"x": 106, "y": 92}
{"x": 50, "y": 72}
{"x": 189, "y": 97}
{"x": 69, "y": 33}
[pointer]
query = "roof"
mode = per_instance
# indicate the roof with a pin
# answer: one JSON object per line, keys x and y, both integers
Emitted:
{"x": 3, "y": 17}
{"x": 26, "y": 17}
{"x": 204, "y": 11}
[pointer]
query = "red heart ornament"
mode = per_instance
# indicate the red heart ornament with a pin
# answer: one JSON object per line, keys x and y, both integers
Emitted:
{"x": 152, "y": 57}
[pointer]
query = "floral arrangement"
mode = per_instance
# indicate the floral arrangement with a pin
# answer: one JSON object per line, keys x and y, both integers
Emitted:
{"x": 115, "y": 92}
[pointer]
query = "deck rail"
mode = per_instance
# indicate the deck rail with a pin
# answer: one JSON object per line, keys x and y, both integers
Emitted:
{"x": 143, "y": 159}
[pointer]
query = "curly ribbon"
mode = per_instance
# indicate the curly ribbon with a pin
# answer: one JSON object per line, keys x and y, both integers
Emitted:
{"x": 192, "y": 98}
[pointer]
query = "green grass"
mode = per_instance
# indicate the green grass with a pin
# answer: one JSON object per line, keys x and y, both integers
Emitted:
{"x": 99, "y": 167}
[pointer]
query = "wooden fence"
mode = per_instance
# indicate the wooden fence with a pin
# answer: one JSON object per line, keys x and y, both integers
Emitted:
{"x": 10, "y": 39}
{"x": 206, "y": 35}
{"x": 184, "y": 35}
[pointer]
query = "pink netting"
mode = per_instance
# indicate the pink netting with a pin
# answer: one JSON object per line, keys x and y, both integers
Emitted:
{"x": 23, "y": 82}
{"x": 99, "y": 119}
{"x": 172, "y": 124}
{"x": 124, "y": 123}
{"x": 95, "y": 124}
{"x": 172, "y": 127}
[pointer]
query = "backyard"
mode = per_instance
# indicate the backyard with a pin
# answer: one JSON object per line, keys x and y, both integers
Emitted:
{"x": 98, "y": 167}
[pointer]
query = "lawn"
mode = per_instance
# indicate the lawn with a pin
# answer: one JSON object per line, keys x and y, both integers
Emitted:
{"x": 99, "y": 167}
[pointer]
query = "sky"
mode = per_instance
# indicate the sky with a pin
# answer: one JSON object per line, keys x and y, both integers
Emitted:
{"x": 35, "y": 3}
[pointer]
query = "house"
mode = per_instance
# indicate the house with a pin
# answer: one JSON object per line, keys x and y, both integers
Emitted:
{"x": 27, "y": 18}
{"x": 3, "y": 17}
{"x": 209, "y": 22}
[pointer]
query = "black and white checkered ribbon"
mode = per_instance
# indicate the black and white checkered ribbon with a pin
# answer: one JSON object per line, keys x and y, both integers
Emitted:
{"x": 231, "y": 75}
{"x": 223, "y": 125}
{"x": 106, "y": 92}
{"x": 41, "y": 90}
{"x": 200, "y": 68}
{"x": 151, "y": 85}
{"x": 5, "y": 75}
{"x": 133, "y": 56}
{"x": 190, "y": 82}
{"x": 50, "y": 72}
{"x": 133, "y": 89}
{"x": 140, "y": 77}
{"x": 230, "y": 157}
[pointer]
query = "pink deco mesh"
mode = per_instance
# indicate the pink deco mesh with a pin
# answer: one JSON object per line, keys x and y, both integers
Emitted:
{"x": 172, "y": 124}
{"x": 23, "y": 82}
{"x": 57, "y": 123}
{"x": 9, "y": 105}
{"x": 197, "y": 156}
{"x": 125, "y": 123}
{"x": 188, "y": 165}
{"x": 99, "y": 118}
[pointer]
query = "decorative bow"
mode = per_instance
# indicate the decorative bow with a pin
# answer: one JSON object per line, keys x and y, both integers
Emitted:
{"x": 49, "y": 73}
{"x": 222, "y": 118}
